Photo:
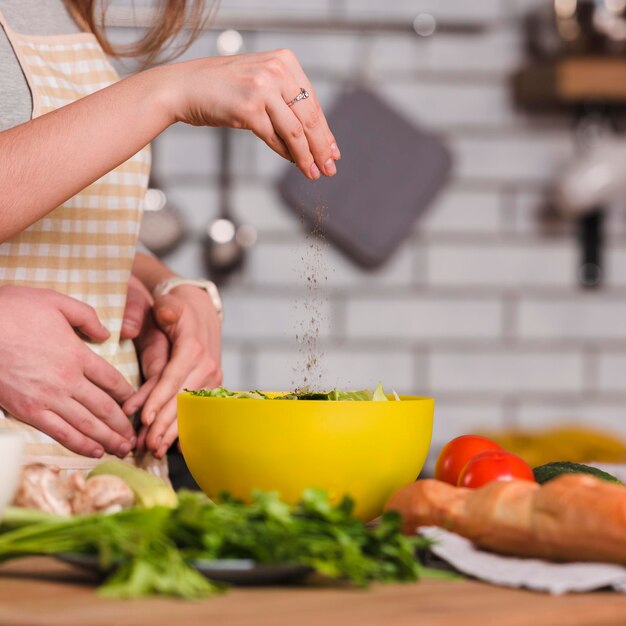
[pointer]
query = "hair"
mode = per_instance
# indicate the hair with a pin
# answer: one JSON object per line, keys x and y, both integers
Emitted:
{"x": 173, "y": 17}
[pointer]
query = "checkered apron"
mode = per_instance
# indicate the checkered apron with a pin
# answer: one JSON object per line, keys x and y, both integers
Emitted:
{"x": 85, "y": 247}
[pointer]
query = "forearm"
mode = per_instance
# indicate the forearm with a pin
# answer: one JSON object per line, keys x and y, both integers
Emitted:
{"x": 150, "y": 271}
{"x": 48, "y": 160}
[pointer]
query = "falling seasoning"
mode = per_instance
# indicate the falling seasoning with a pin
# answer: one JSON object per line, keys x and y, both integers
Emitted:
{"x": 313, "y": 274}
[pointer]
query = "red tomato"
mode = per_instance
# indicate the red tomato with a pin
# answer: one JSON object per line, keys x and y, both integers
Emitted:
{"x": 494, "y": 465}
{"x": 457, "y": 453}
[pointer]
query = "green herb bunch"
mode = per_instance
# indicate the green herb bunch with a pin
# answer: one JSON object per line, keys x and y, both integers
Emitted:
{"x": 151, "y": 551}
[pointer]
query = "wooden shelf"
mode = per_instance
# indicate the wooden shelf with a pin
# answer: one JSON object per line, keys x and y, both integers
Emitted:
{"x": 572, "y": 81}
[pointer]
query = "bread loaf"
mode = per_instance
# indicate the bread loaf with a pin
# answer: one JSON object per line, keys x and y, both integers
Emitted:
{"x": 571, "y": 518}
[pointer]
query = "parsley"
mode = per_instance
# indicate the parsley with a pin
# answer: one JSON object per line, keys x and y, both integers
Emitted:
{"x": 151, "y": 551}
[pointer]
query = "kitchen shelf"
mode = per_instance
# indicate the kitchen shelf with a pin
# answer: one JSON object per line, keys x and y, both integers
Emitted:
{"x": 572, "y": 80}
{"x": 143, "y": 17}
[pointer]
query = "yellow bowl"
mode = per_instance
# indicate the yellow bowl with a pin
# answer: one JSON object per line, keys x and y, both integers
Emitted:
{"x": 366, "y": 450}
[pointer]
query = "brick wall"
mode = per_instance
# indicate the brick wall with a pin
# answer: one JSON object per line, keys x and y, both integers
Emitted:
{"x": 480, "y": 307}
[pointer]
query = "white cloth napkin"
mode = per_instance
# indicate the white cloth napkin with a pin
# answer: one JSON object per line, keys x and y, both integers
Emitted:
{"x": 535, "y": 574}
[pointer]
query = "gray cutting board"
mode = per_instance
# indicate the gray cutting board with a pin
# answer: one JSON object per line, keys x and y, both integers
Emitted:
{"x": 389, "y": 172}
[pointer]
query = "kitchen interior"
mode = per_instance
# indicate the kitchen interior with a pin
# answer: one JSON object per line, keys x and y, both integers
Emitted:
{"x": 471, "y": 249}
{"x": 499, "y": 300}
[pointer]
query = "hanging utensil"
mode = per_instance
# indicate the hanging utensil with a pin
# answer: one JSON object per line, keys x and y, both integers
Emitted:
{"x": 162, "y": 226}
{"x": 226, "y": 240}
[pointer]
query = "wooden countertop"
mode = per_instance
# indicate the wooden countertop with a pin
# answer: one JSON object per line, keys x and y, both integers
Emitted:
{"x": 43, "y": 592}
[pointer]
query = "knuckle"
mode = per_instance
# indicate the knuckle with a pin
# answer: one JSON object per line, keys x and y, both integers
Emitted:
{"x": 247, "y": 112}
{"x": 219, "y": 376}
{"x": 110, "y": 379}
{"x": 313, "y": 119}
{"x": 109, "y": 408}
{"x": 275, "y": 67}
{"x": 259, "y": 81}
{"x": 194, "y": 349}
{"x": 207, "y": 369}
{"x": 274, "y": 141}
{"x": 26, "y": 406}
{"x": 169, "y": 439}
{"x": 59, "y": 431}
{"x": 65, "y": 377}
{"x": 285, "y": 54}
{"x": 85, "y": 425}
{"x": 296, "y": 131}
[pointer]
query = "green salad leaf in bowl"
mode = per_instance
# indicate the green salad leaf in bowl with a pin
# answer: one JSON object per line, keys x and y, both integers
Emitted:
{"x": 304, "y": 393}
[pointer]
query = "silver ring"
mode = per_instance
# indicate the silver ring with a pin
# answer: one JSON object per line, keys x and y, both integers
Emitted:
{"x": 303, "y": 95}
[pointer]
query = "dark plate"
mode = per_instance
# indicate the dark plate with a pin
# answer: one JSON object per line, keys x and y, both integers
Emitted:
{"x": 232, "y": 571}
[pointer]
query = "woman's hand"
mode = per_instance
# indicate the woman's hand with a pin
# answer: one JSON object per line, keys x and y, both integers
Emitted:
{"x": 52, "y": 380}
{"x": 251, "y": 91}
{"x": 51, "y": 158}
{"x": 184, "y": 351}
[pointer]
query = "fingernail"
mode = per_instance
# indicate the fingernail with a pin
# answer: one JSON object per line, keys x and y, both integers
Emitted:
{"x": 315, "y": 172}
{"x": 130, "y": 409}
{"x": 330, "y": 168}
{"x": 335, "y": 151}
{"x": 150, "y": 418}
{"x": 133, "y": 442}
{"x": 161, "y": 452}
{"x": 159, "y": 439}
{"x": 124, "y": 449}
{"x": 97, "y": 453}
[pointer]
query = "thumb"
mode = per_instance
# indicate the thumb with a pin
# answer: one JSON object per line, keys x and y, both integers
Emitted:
{"x": 82, "y": 317}
{"x": 168, "y": 310}
{"x": 138, "y": 301}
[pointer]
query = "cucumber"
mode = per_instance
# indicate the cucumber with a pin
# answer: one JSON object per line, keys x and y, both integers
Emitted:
{"x": 549, "y": 471}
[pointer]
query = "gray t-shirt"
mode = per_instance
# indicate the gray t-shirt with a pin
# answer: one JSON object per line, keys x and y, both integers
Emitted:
{"x": 31, "y": 17}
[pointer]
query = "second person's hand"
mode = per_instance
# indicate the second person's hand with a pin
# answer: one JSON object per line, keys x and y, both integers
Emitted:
{"x": 53, "y": 381}
{"x": 188, "y": 357}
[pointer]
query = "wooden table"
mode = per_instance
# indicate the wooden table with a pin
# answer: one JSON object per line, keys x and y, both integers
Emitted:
{"x": 42, "y": 592}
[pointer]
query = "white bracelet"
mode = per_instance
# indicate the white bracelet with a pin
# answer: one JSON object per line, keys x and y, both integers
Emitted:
{"x": 165, "y": 286}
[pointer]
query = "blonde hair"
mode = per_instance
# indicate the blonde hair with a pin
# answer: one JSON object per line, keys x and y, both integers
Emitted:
{"x": 173, "y": 18}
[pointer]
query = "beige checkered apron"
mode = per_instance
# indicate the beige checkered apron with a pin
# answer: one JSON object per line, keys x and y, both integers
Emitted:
{"x": 85, "y": 247}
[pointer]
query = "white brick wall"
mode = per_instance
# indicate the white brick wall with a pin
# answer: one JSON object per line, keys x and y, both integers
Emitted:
{"x": 349, "y": 369}
{"x": 279, "y": 263}
{"x": 506, "y": 371}
{"x": 511, "y": 265}
{"x": 612, "y": 373}
{"x": 480, "y": 306}
{"x": 441, "y": 106}
{"x": 463, "y": 211}
{"x": 505, "y": 157}
{"x": 453, "y": 419}
{"x": 270, "y": 317}
{"x": 573, "y": 318}
{"x": 410, "y": 318}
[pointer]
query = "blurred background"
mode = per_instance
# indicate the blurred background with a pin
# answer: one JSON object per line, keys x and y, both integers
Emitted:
{"x": 505, "y": 296}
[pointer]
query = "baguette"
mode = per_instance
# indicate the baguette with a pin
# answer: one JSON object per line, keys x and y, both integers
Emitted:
{"x": 571, "y": 518}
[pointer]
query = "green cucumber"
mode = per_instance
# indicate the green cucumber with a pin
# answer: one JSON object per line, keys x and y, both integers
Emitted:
{"x": 550, "y": 471}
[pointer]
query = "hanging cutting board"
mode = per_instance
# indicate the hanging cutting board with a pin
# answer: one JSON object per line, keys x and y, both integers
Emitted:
{"x": 389, "y": 172}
